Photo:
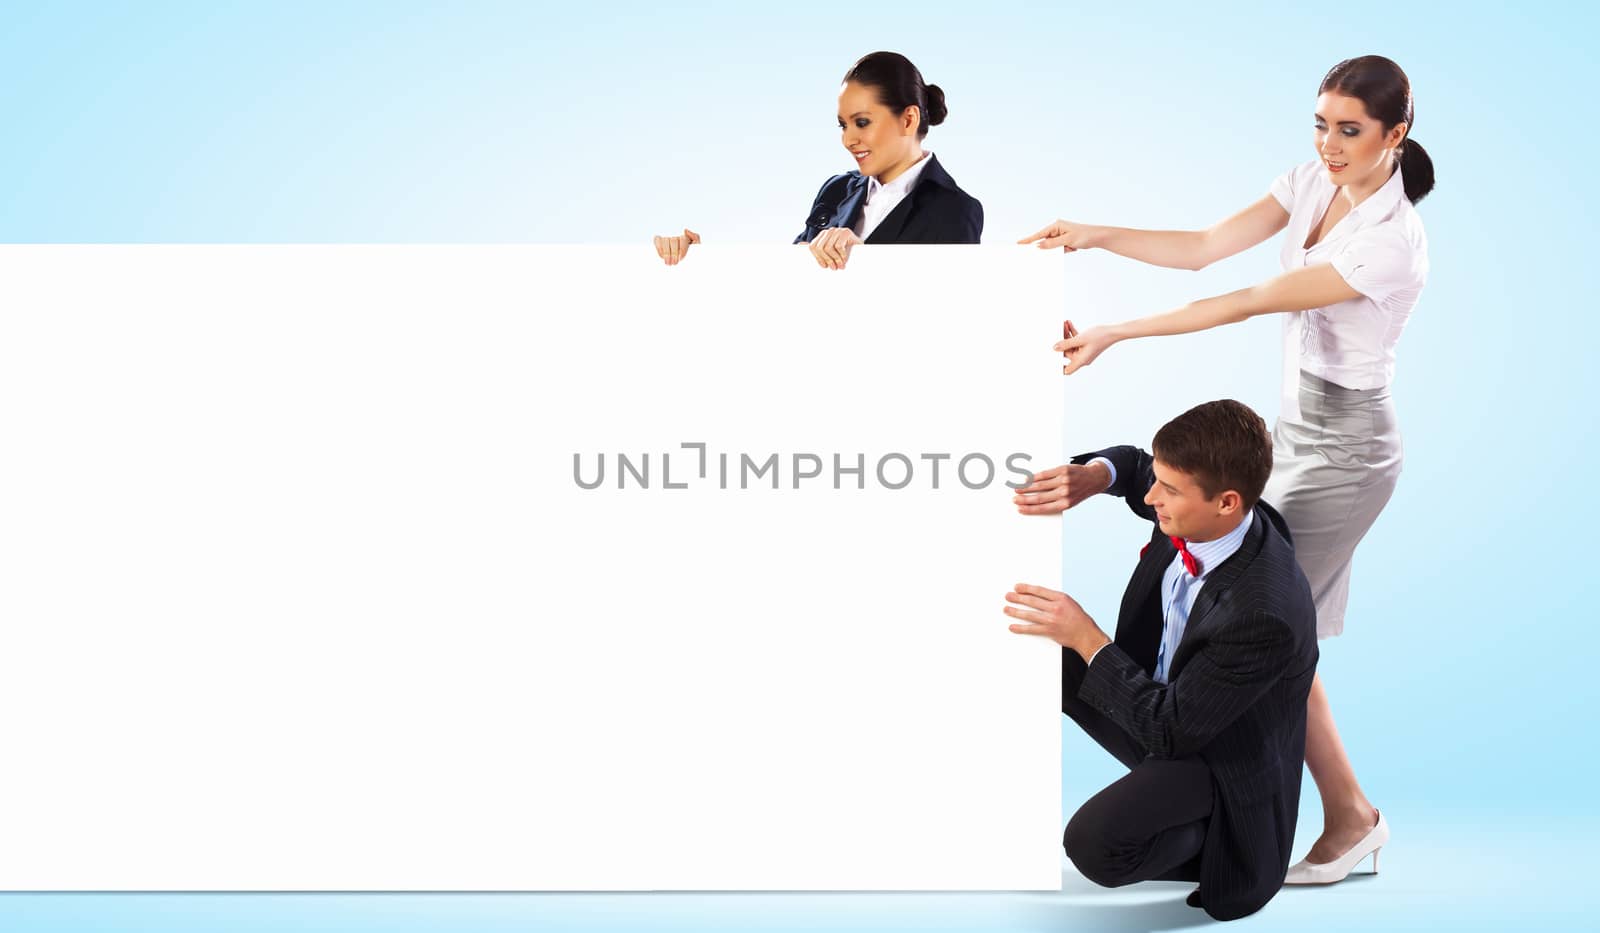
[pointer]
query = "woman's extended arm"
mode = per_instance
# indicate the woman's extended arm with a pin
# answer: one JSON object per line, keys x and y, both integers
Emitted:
{"x": 1311, "y": 287}
{"x": 1175, "y": 249}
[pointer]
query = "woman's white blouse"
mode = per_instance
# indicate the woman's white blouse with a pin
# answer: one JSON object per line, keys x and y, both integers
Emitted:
{"x": 1379, "y": 248}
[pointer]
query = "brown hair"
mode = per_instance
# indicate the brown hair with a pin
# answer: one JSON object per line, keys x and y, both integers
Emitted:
{"x": 1223, "y": 444}
{"x": 900, "y": 85}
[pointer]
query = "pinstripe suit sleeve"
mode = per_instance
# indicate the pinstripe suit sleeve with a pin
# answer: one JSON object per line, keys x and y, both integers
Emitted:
{"x": 1239, "y": 663}
{"x": 1135, "y": 471}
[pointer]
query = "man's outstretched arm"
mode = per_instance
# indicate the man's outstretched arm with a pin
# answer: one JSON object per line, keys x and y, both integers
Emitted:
{"x": 1237, "y": 665}
{"x": 1229, "y": 674}
{"x": 1133, "y": 473}
{"x": 1120, "y": 471}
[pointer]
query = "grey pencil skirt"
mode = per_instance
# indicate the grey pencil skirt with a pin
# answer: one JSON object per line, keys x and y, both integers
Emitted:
{"x": 1334, "y": 468}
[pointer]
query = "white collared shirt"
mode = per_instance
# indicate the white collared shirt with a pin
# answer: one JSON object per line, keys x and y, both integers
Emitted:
{"x": 1380, "y": 250}
{"x": 881, "y": 198}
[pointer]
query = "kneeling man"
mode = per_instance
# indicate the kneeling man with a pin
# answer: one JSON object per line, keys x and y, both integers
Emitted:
{"x": 1202, "y": 693}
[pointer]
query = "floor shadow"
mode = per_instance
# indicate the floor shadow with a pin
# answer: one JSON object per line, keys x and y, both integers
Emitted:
{"x": 1139, "y": 908}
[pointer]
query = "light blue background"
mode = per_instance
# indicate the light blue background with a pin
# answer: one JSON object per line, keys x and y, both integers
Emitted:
{"x": 1462, "y": 685}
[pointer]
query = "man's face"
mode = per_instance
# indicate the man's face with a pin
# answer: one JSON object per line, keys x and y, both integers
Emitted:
{"x": 1182, "y": 508}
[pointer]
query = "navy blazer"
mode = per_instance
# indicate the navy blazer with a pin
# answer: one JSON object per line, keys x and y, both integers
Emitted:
{"x": 1236, "y": 694}
{"x": 936, "y": 211}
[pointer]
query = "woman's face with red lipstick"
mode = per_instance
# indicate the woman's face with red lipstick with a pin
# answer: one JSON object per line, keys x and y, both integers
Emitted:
{"x": 1352, "y": 145}
{"x": 878, "y": 139}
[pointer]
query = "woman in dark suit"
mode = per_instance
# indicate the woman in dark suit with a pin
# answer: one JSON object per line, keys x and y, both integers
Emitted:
{"x": 899, "y": 193}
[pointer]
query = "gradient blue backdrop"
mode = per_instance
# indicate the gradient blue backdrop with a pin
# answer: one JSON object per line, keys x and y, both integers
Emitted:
{"x": 1463, "y": 686}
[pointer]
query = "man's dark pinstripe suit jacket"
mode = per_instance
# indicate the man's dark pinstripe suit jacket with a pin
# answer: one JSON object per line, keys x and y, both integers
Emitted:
{"x": 1236, "y": 691}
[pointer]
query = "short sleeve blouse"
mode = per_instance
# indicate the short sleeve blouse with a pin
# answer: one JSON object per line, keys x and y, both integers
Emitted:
{"x": 1380, "y": 249}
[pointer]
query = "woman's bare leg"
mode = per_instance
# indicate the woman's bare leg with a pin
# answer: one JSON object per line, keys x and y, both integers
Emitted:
{"x": 1347, "y": 815}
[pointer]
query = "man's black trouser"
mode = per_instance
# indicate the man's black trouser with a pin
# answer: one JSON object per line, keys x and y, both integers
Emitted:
{"x": 1149, "y": 824}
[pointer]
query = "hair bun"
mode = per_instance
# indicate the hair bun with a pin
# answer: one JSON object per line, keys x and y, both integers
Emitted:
{"x": 937, "y": 110}
{"x": 1417, "y": 166}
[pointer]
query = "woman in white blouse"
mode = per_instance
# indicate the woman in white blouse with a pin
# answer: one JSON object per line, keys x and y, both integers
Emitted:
{"x": 1355, "y": 259}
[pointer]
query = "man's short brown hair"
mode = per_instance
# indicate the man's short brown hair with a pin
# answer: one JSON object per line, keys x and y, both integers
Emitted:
{"x": 1223, "y": 444}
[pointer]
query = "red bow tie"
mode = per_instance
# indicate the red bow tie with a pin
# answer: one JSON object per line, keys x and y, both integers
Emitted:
{"x": 1189, "y": 562}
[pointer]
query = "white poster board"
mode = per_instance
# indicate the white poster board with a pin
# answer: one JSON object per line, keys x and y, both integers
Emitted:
{"x": 300, "y": 590}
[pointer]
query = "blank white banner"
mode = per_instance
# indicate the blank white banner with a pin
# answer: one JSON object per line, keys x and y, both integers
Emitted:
{"x": 301, "y": 586}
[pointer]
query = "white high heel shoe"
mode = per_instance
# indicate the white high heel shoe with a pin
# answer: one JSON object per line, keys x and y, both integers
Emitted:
{"x": 1304, "y": 872}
